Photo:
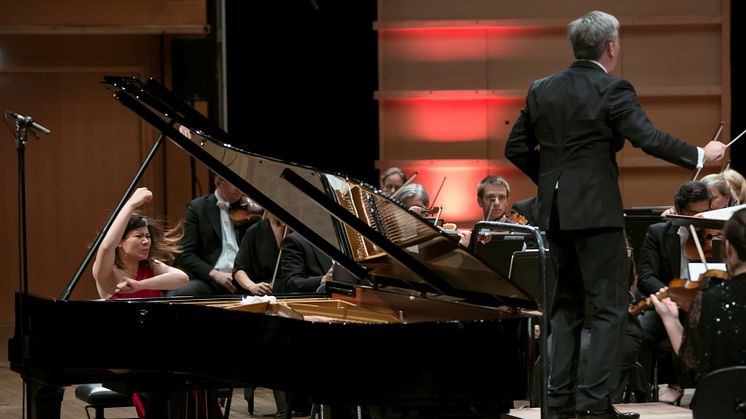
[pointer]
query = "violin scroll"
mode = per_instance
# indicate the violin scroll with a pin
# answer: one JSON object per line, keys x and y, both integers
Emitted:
{"x": 245, "y": 212}
{"x": 517, "y": 218}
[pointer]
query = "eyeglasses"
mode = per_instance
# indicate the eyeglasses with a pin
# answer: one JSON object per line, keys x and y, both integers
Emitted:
{"x": 689, "y": 212}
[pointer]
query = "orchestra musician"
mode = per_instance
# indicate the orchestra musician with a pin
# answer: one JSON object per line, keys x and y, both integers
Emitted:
{"x": 303, "y": 267}
{"x": 660, "y": 261}
{"x": 719, "y": 191}
{"x": 254, "y": 269}
{"x": 714, "y": 336}
{"x": 414, "y": 197}
{"x": 392, "y": 179}
{"x": 737, "y": 185}
{"x": 564, "y": 140}
{"x": 255, "y": 265}
{"x": 210, "y": 242}
{"x": 493, "y": 196}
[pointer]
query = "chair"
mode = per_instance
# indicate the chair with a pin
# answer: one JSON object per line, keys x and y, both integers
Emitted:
{"x": 637, "y": 388}
{"x": 99, "y": 398}
{"x": 721, "y": 394}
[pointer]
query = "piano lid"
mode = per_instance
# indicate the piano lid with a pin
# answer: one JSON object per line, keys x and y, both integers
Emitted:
{"x": 355, "y": 224}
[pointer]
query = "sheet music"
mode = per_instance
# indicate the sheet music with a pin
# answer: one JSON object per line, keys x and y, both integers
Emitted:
{"x": 695, "y": 269}
{"x": 722, "y": 213}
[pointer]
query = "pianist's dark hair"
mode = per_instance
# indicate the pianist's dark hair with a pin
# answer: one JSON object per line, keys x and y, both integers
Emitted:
{"x": 163, "y": 244}
{"x": 735, "y": 233}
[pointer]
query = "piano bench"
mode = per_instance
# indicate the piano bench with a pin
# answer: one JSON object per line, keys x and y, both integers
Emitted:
{"x": 99, "y": 398}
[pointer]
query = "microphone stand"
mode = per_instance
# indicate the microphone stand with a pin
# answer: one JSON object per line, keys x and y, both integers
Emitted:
{"x": 21, "y": 134}
{"x": 23, "y": 127}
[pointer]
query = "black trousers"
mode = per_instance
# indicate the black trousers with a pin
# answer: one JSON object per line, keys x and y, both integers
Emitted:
{"x": 592, "y": 266}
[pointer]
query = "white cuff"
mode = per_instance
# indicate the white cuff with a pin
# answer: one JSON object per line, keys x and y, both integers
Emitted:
{"x": 700, "y": 157}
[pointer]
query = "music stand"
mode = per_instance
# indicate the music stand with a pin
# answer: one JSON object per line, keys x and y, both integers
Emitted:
{"x": 697, "y": 222}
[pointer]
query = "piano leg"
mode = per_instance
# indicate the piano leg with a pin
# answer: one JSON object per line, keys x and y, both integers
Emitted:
{"x": 43, "y": 401}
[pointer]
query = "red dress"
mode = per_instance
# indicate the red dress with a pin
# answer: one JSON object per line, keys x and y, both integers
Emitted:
{"x": 144, "y": 271}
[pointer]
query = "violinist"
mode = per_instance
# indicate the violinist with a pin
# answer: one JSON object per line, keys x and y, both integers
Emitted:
{"x": 392, "y": 179}
{"x": 662, "y": 260}
{"x": 714, "y": 336}
{"x": 737, "y": 185}
{"x": 210, "y": 242}
{"x": 414, "y": 197}
{"x": 493, "y": 196}
{"x": 256, "y": 265}
{"x": 719, "y": 189}
{"x": 255, "y": 269}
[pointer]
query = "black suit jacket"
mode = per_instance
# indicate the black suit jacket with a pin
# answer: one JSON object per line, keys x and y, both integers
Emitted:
{"x": 301, "y": 266}
{"x": 574, "y": 123}
{"x": 257, "y": 253}
{"x": 203, "y": 238}
{"x": 660, "y": 258}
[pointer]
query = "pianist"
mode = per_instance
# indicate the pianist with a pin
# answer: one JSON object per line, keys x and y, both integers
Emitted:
{"x": 130, "y": 260}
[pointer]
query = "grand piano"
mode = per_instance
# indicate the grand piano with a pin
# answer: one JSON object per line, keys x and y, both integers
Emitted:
{"x": 424, "y": 323}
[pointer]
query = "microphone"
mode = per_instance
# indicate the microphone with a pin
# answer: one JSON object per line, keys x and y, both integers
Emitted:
{"x": 28, "y": 121}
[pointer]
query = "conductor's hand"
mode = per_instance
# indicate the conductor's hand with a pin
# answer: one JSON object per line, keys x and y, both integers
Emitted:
{"x": 714, "y": 151}
{"x": 224, "y": 279}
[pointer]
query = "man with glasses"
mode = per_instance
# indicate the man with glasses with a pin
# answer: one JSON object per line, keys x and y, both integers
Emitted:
{"x": 661, "y": 260}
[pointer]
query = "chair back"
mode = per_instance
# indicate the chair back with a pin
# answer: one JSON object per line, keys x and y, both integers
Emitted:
{"x": 721, "y": 394}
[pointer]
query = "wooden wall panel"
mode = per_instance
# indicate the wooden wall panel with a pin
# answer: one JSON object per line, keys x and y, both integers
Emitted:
{"x": 437, "y": 59}
{"x": 76, "y": 175}
{"x": 676, "y": 54}
{"x": 512, "y": 61}
{"x": 67, "y": 14}
{"x": 663, "y": 56}
{"x": 500, "y": 121}
{"x": 519, "y": 9}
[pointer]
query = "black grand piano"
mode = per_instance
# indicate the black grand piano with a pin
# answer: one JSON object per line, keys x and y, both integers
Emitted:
{"x": 427, "y": 323}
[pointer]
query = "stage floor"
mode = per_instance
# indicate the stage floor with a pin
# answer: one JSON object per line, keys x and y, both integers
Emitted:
{"x": 646, "y": 411}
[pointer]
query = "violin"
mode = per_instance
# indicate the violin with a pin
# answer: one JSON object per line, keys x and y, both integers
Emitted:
{"x": 683, "y": 291}
{"x": 516, "y": 217}
{"x": 710, "y": 240}
{"x": 245, "y": 212}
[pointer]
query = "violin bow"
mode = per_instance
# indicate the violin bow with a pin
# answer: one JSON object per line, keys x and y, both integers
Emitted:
{"x": 489, "y": 209}
{"x": 715, "y": 137}
{"x": 411, "y": 178}
{"x": 279, "y": 256}
{"x": 438, "y": 193}
{"x": 699, "y": 246}
{"x": 437, "y": 217}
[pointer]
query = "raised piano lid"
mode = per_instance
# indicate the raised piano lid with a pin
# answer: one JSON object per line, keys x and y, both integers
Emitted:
{"x": 401, "y": 249}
